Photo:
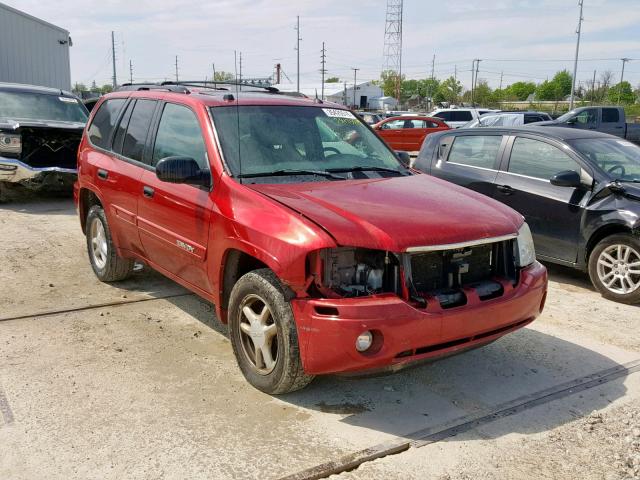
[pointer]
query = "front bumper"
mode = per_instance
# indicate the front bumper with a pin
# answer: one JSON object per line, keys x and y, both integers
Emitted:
{"x": 328, "y": 328}
{"x": 12, "y": 170}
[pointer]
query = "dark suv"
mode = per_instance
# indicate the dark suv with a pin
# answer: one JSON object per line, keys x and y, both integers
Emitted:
{"x": 579, "y": 191}
{"x": 284, "y": 212}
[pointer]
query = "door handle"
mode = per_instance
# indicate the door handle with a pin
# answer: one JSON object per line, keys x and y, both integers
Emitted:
{"x": 505, "y": 189}
{"x": 148, "y": 191}
{"x": 103, "y": 174}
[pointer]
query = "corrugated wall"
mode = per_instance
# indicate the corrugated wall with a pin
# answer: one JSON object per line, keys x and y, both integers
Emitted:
{"x": 30, "y": 51}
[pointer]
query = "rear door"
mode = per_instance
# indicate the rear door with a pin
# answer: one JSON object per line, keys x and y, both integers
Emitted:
{"x": 611, "y": 122}
{"x": 553, "y": 213}
{"x": 394, "y": 134}
{"x": 174, "y": 218}
{"x": 117, "y": 180}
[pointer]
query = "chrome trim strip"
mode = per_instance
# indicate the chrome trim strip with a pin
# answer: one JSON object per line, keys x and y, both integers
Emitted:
{"x": 455, "y": 246}
{"x": 18, "y": 170}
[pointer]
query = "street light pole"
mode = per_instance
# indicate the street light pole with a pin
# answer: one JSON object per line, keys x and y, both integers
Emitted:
{"x": 575, "y": 61}
{"x": 355, "y": 73}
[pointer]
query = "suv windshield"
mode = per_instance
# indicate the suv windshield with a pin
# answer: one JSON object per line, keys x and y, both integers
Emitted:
{"x": 309, "y": 142}
{"x": 619, "y": 158}
{"x": 40, "y": 106}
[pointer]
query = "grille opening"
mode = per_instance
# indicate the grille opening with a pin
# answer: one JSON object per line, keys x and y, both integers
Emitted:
{"x": 451, "y": 298}
{"x": 442, "y": 346}
{"x": 406, "y": 353}
{"x": 329, "y": 311}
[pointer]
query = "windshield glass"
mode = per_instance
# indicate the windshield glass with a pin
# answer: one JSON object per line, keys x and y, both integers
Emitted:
{"x": 278, "y": 139}
{"x": 619, "y": 158}
{"x": 567, "y": 116}
{"x": 39, "y": 106}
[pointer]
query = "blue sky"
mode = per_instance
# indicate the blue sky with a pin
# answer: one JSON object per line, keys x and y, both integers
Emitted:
{"x": 523, "y": 39}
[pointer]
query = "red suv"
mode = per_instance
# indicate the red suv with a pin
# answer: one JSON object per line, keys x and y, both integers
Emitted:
{"x": 322, "y": 251}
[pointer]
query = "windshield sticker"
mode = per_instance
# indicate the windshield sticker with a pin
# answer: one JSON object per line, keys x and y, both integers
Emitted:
{"x": 67, "y": 99}
{"x": 624, "y": 143}
{"x": 335, "y": 113}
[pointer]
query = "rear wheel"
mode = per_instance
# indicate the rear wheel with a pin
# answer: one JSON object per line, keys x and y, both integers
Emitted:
{"x": 614, "y": 268}
{"x": 263, "y": 334}
{"x": 107, "y": 265}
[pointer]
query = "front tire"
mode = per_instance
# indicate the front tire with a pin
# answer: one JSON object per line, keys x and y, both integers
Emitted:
{"x": 263, "y": 334}
{"x": 614, "y": 268}
{"x": 106, "y": 264}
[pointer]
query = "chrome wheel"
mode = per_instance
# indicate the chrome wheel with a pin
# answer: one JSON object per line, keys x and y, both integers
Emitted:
{"x": 619, "y": 269}
{"x": 259, "y": 334}
{"x": 99, "y": 248}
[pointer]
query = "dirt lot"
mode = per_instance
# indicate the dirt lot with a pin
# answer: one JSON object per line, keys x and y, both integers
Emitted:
{"x": 137, "y": 380}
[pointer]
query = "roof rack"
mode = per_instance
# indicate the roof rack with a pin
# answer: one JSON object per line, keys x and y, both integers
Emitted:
{"x": 153, "y": 86}
{"x": 214, "y": 84}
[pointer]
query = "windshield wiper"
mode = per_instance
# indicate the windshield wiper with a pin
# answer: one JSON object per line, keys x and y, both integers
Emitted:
{"x": 285, "y": 172}
{"x": 364, "y": 169}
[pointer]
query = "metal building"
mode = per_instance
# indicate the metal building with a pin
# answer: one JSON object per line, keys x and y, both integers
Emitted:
{"x": 33, "y": 51}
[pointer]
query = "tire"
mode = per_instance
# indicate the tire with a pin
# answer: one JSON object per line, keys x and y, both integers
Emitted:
{"x": 275, "y": 366}
{"x": 106, "y": 263}
{"x": 614, "y": 268}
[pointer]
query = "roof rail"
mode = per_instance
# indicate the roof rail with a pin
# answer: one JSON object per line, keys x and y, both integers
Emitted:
{"x": 153, "y": 86}
{"x": 214, "y": 84}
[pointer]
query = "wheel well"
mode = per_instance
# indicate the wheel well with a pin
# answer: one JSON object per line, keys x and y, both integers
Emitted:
{"x": 602, "y": 233}
{"x": 87, "y": 200}
{"x": 237, "y": 263}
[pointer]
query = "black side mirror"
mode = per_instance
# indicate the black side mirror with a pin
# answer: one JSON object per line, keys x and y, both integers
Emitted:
{"x": 403, "y": 157}
{"x": 182, "y": 170}
{"x": 572, "y": 121}
{"x": 566, "y": 178}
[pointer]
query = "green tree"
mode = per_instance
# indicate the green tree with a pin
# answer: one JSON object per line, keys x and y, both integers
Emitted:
{"x": 482, "y": 94}
{"x": 621, "y": 92}
{"x": 106, "y": 88}
{"x": 332, "y": 80}
{"x": 563, "y": 80}
{"x": 388, "y": 83}
{"x": 450, "y": 90}
{"x": 548, "y": 91}
{"x": 519, "y": 91}
{"x": 223, "y": 76}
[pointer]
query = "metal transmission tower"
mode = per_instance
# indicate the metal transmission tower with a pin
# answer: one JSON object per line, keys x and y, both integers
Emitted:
{"x": 393, "y": 43}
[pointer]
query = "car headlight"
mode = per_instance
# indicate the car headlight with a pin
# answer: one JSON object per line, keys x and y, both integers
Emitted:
{"x": 525, "y": 251}
{"x": 10, "y": 143}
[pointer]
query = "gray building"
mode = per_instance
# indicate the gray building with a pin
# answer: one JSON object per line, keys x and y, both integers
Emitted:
{"x": 33, "y": 51}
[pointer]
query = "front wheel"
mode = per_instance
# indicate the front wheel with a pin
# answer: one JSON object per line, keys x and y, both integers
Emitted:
{"x": 263, "y": 334}
{"x": 614, "y": 268}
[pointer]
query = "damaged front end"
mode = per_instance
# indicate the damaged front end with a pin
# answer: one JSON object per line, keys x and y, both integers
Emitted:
{"x": 39, "y": 154}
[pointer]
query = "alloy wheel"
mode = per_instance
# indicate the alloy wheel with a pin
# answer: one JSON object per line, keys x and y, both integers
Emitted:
{"x": 258, "y": 334}
{"x": 619, "y": 269}
{"x": 99, "y": 248}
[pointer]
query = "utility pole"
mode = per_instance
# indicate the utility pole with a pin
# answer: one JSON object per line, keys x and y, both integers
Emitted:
{"x": 575, "y": 61}
{"x": 323, "y": 70}
{"x": 130, "y": 71}
{"x": 433, "y": 67}
{"x": 473, "y": 72}
{"x": 593, "y": 88}
{"x": 344, "y": 95}
{"x": 501, "y": 74}
{"x": 298, "y": 51}
{"x": 278, "y": 73}
{"x": 240, "y": 71}
{"x": 213, "y": 66}
{"x": 624, "y": 60}
{"x": 455, "y": 73}
{"x": 113, "y": 59}
{"x": 176, "y": 68}
{"x": 477, "y": 69}
{"x": 355, "y": 73}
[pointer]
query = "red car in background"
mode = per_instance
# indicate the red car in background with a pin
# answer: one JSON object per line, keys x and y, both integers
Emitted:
{"x": 408, "y": 132}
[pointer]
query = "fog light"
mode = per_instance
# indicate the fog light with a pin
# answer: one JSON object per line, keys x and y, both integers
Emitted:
{"x": 364, "y": 341}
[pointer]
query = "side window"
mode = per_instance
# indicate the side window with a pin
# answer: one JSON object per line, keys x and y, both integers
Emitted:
{"x": 393, "y": 125}
{"x": 179, "y": 134}
{"x": 587, "y": 116}
{"x": 138, "y": 128}
{"x": 118, "y": 138}
{"x": 104, "y": 121}
{"x": 475, "y": 150}
{"x": 538, "y": 159}
{"x": 446, "y": 116}
{"x": 461, "y": 116}
{"x": 610, "y": 115}
{"x": 418, "y": 124}
{"x": 443, "y": 146}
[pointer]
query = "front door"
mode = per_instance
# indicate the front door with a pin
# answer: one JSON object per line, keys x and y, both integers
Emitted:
{"x": 173, "y": 219}
{"x": 553, "y": 213}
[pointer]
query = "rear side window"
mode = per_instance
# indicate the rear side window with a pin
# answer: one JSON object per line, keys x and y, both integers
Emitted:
{"x": 179, "y": 134}
{"x": 118, "y": 138}
{"x": 610, "y": 115}
{"x": 104, "y": 121}
{"x": 138, "y": 128}
{"x": 475, "y": 150}
{"x": 446, "y": 116}
{"x": 461, "y": 116}
{"x": 537, "y": 159}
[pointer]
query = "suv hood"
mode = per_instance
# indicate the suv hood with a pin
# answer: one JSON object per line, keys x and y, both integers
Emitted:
{"x": 11, "y": 124}
{"x": 396, "y": 213}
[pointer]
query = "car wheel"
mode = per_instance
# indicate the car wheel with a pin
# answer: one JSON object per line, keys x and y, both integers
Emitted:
{"x": 8, "y": 192}
{"x": 263, "y": 334}
{"x": 614, "y": 268}
{"x": 107, "y": 265}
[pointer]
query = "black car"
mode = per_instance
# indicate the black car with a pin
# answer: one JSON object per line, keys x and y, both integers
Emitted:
{"x": 578, "y": 190}
{"x": 40, "y": 130}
